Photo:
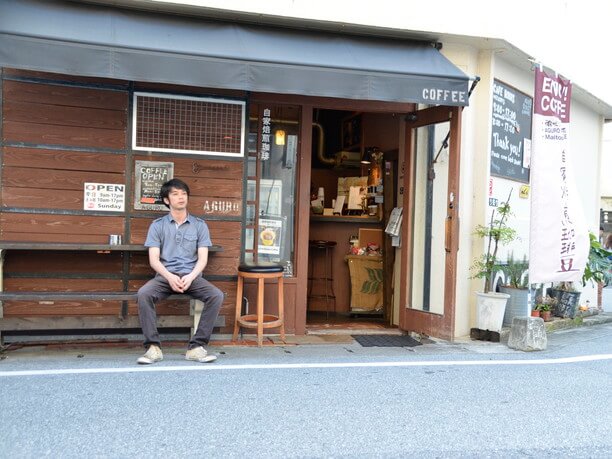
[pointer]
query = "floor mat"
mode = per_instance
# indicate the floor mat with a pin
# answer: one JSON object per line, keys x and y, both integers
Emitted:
{"x": 386, "y": 340}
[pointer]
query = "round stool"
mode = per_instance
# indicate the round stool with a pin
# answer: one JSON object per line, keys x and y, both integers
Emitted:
{"x": 326, "y": 249}
{"x": 260, "y": 271}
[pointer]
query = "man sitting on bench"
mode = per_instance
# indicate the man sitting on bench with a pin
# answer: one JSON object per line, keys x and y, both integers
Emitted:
{"x": 178, "y": 252}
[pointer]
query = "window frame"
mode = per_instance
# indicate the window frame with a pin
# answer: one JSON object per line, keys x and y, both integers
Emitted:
{"x": 216, "y": 100}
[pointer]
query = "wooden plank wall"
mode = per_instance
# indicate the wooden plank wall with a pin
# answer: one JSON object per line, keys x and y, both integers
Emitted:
{"x": 60, "y": 131}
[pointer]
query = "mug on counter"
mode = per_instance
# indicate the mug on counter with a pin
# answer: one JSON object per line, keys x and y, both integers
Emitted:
{"x": 114, "y": 239}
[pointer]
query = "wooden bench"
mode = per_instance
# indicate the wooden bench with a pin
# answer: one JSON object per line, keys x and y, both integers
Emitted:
{"x": 120, "y": 321}
{"x": 94, "y": 322}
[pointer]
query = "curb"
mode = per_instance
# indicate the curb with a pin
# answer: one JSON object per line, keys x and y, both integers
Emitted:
{"x": 557, "y": 323}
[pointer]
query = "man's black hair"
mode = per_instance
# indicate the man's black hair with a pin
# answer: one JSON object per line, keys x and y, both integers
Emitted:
{"x": 175, "y": 183}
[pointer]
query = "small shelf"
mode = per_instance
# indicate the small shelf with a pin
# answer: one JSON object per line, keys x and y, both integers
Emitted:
{"x": 345, "y": 219}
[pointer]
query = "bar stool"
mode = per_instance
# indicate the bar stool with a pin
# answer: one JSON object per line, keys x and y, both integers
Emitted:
{"x": 326, "y": 249}
{"x": 260, "y": 271}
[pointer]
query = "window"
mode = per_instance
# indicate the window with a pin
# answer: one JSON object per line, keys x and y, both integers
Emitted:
{"x": 271, "y": 184}
{"x": 182, "y": 124}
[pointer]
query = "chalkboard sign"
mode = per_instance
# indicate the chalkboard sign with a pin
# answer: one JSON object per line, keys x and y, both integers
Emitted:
{"x": 510, "y": 133}
{"x": 150, "y": 176}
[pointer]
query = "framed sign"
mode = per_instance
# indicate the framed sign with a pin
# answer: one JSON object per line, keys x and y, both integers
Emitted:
{"x": 510, "y": 133}
{"x": 150, "y": 176}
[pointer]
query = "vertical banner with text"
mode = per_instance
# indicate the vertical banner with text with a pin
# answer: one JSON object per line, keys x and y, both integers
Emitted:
{"x": 558, "y": 239}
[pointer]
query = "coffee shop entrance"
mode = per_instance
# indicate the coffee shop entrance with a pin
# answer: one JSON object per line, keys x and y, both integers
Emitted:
{"x": 371, "y": 171}
{"x": 357, "y": 200}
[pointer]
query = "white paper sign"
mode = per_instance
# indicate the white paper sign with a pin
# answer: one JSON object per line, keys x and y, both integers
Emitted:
{"x": 107, "y": 197}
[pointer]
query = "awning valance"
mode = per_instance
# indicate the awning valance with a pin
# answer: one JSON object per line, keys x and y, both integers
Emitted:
{"x": 90, "y": 40}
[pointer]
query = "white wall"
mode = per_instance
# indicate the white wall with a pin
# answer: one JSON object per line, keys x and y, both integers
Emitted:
{"x": 585, "y": 144}
{"x": 606, "y": 168}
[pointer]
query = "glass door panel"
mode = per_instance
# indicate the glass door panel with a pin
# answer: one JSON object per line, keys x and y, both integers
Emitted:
{"x": 430, "y": 178}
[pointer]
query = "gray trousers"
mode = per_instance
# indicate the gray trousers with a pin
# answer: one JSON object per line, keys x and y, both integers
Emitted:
{"x": 158, "y": 289}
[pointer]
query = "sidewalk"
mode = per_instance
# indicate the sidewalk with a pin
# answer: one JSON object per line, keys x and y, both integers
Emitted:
{"x": 563, "y": 335}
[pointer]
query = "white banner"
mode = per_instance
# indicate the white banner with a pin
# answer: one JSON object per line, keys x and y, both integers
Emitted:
{"x": 559, "y": 239}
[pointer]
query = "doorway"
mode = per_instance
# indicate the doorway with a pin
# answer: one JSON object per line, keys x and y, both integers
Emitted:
{"x": 350, "y": 260}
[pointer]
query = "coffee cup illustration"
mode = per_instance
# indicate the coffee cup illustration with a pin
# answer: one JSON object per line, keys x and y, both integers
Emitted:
{"x": 267, "y": 236}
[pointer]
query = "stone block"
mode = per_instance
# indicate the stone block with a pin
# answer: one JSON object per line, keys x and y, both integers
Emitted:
{"x": 528, "y": 334}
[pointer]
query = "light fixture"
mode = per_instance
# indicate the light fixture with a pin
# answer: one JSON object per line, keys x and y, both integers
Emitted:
{"x": 367, "y": 156}
{"x": 279, "y": 137}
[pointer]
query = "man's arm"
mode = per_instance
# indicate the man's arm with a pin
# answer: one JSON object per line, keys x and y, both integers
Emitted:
{"x": 154, "y": 260}
{"x": 198, "y": 268}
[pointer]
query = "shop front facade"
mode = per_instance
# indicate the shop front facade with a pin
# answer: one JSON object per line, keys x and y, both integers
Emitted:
{"x": 269, "y": 128}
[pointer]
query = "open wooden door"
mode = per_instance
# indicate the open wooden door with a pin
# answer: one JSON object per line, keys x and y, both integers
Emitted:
{"x": 430, "y": 222}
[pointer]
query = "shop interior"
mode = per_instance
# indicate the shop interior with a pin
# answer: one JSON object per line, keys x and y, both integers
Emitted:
{"x": 353, "y": 194}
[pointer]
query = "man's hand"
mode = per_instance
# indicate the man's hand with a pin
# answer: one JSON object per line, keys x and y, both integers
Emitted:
{"x": 176, "y": 283}
{"x": 186, "y": 281}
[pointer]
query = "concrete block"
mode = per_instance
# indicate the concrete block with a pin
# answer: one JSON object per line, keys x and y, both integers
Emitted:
{"x": 528, "y": 334}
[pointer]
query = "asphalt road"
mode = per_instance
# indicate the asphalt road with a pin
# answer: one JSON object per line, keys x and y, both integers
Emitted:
{"x": 437, "y": 400}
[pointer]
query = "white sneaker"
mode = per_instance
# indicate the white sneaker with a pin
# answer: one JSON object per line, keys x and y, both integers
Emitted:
{"x": 153, "y": 354}
{"x": 199, "y": 354}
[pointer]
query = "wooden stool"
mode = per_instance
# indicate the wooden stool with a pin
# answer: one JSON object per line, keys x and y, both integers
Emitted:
{"x": 260, "y": 271}
{"x": 326, "y": 250}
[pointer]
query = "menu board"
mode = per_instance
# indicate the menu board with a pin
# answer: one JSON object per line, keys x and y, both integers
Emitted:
{"x": 510, "y": 133}
{"x": 150, "y": 176}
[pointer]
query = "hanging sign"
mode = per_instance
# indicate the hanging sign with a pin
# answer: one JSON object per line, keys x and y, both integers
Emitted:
{"x": 150, "y": 176}
{"x": 107, "y": 197}
{"x": 558, "y": 237}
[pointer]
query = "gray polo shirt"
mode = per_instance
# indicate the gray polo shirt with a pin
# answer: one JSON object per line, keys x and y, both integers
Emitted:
{"x": 178, "y": 246}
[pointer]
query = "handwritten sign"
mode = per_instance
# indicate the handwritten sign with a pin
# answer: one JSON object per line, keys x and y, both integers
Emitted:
{"x": 107, "y": 197}
{"x": 510, "y": 133}
{"x": 150, "y": 176}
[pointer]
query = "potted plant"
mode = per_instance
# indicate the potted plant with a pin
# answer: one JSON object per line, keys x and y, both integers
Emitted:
{"x": 515, "y": 285}
{"x": 544, "y": 306}
{"x": 597, "y": 269}
{"x": 490, "y": 306}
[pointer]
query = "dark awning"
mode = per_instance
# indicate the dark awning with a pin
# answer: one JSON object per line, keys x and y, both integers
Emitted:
{"x": 83, "y": 39}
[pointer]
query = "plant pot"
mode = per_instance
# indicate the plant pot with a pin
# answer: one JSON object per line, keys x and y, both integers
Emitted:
{"x": 490, "y": 308}
{"x": 535, "y": 313}
{"x": 517, "y": 305}
{"x": 546, "y": 315}
{"x": 567, "y": 302}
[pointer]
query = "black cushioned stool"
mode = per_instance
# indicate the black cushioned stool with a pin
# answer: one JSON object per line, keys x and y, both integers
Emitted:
{"x": 260, "y": 271}
{"x": 326, "y": 250}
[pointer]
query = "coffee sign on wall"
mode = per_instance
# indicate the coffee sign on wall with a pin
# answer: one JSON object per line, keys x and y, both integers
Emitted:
{"x": 150, "y": 176}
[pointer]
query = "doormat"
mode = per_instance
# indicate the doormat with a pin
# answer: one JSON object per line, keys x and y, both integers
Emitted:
{"x": 386, "y": 341}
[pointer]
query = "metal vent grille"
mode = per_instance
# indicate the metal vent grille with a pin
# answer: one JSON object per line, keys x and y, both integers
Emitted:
{"x": 184, "y": 124}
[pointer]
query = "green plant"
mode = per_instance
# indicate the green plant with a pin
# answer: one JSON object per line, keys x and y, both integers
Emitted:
{"x": 598, "y": 264}
{"x": 545, "y": 303}
{"x": 514, "y": 271}
{"x": 496, "y": 233}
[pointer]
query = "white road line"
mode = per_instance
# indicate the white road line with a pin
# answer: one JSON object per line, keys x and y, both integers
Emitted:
{"x": 289, "y": 366}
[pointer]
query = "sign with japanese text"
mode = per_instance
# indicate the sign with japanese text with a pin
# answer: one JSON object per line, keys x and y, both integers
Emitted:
{"x": 510, "y": 133}
{"x": 150, "y": 176}
{"x": 266, "y": 133}
{"x": 107, "y": 197}
{"x": 558, "y": 240}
